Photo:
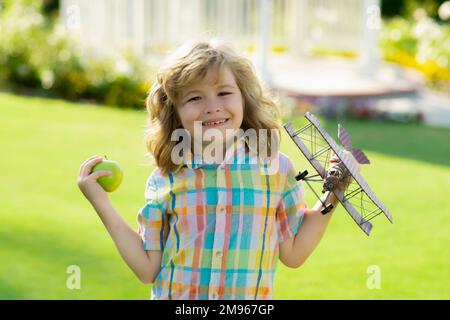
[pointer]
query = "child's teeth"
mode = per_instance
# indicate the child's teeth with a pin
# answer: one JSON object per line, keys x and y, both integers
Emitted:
{"x": 214, "y": 123}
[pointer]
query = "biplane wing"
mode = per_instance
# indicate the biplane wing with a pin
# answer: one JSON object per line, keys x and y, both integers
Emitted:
{"x": 358, "y": 199}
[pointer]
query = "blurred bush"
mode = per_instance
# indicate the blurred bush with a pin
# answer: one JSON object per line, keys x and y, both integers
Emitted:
{"x": 420, "y": 43}
{"x": 38, "y": 56}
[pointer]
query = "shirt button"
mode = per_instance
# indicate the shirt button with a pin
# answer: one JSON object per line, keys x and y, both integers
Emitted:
{"x": 219, "y": 253}
{"x": 215, "y": 295}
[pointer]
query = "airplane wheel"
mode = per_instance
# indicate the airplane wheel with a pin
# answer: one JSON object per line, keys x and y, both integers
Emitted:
{"x": 327, "y": 209}
{"x": 301, "y": 175}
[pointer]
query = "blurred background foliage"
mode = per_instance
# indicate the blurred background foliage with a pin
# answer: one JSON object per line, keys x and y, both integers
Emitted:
{"x": 406, "y": 8}
{"x": 39, "y": 57}
{"x": 416, "y": 34}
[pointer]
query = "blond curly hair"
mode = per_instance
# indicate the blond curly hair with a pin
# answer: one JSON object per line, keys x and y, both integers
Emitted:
{"x": 189, "y": 65}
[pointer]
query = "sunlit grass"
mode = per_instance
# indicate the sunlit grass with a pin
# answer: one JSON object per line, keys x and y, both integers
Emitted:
{"x": 47, "y": 225}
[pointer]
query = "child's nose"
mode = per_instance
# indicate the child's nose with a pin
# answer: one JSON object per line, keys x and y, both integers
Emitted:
{"x": 212, "y": 107}
{"x": 213, "y": 110}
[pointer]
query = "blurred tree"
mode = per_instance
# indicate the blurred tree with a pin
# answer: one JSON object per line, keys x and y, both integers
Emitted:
{"x": 391, "y": 8}
{"x": 51, "y": 7}
{"x": 430, "y": 6}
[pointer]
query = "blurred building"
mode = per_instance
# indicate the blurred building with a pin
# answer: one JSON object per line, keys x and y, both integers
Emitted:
{"x": 291, "y": 42}
{"x": 300, "y": 27}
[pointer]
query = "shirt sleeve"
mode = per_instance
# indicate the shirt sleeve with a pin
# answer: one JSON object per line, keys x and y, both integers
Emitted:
{"x": 291, "y": 207}
{"x": 152, "y": 217}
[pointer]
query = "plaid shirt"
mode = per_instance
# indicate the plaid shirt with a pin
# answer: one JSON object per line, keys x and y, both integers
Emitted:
{"x": 220, "y": 226}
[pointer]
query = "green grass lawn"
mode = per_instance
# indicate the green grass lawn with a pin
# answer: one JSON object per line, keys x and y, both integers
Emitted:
{"x": 47, "y": 225}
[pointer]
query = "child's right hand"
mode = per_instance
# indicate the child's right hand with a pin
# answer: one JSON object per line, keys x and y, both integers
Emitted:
{"x": 348, "y": 179}
{"x": 87, "y": 181}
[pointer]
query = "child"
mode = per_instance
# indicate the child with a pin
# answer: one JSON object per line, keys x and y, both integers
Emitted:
{"x": 212, "y": 229}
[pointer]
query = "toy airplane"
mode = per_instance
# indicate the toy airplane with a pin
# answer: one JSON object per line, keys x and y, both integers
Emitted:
{"x": 357, "y": 198}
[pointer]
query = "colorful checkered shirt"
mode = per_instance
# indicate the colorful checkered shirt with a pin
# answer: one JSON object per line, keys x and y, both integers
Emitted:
{"x": 220, "y": 226}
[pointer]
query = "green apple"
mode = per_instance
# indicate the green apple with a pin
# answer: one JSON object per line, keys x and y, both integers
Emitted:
{"x": 112, "y": 182}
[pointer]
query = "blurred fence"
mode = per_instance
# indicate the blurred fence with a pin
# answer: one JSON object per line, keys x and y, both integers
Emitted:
{"x": 298, "y": 26}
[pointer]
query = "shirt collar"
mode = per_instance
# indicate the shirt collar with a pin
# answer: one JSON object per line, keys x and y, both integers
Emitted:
{"x": 232, "y": 155}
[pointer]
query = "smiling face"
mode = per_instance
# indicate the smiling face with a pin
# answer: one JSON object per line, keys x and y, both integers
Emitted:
{"x": 215, "y": 102}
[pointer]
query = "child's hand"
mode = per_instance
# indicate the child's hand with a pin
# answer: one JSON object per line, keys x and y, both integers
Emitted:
{"x": 345, "y": 182}
{"x": 333, "y": 158}
{"x": 87, "y": 181}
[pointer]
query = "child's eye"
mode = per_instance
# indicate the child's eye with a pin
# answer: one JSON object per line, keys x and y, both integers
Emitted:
{"x": 224, "y": 93}
{"x": 197, "y": 98}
